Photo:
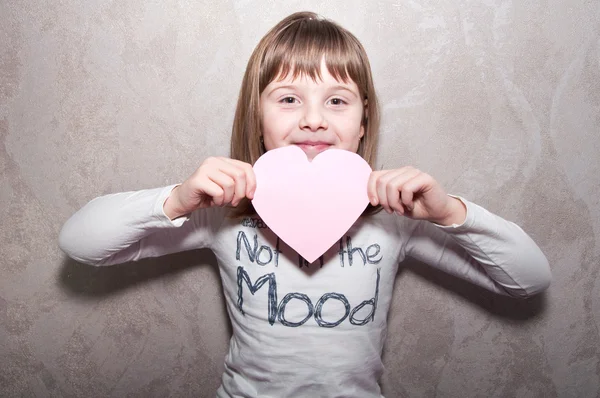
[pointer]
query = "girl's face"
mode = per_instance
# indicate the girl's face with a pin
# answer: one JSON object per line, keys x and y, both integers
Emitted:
{"x": 315, "y": 116}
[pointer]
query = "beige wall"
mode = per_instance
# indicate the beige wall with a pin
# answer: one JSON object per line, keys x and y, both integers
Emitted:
{"x": 498, "y": 100}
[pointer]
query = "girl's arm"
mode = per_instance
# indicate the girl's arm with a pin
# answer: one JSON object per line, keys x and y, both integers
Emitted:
{"x": 485, "y": 249}
{"x": 129, "y": 226}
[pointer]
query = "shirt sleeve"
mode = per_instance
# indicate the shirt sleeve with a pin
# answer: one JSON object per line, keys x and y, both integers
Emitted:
{"x": 485, "y": 249}
{"x": 129, "y": 226}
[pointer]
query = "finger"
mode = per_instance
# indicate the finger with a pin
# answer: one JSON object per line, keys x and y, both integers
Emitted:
{"x": 227, "y": 184}
{"x": 250, "y": 181}
{"x": 238, "y": 174}
{"x": 381, "y": 187}
{"x": 374, "y": 179}
{"x": 249, "y": 176}
{"x": 387, "y": 191}
{"x": 393, "y": 189}
{"x": 395, "y": 186}
{"x": 372, "y": 187}
{"x": 406, "y": 198}
{"x": 409, "y": 187}
{"x": 214, "y": 191}
{"x": 379, "y": 196}
{"x": 422, "y": 182}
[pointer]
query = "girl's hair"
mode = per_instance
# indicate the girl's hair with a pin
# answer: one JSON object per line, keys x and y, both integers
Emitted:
{"x": 297, "y": 44}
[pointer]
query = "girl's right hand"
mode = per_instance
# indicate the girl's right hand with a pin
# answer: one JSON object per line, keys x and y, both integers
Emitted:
{"x": 219, "y": 181}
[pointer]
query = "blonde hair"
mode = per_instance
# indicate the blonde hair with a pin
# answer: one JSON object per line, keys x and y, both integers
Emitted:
{"x": 297, "y": 44}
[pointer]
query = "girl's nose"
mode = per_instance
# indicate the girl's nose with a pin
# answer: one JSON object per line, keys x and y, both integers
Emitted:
{"x": 313, "y": 118}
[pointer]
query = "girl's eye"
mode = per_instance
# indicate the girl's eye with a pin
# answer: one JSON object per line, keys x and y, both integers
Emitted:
{"x": 288, "y": 100}
{"x": 337, "y": 101}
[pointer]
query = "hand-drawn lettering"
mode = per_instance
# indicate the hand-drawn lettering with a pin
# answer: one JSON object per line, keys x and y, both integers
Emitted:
{"x": 276, "y": 310}
{"x": 364, "y": 255}
{"x": 303, "y": 263}
{"x": 319, "y": 307}
{"x": 351, "y": 250}
{"x": 283, "y": 303}
{"x": 341, "y": 252}
{"x": 269, "y": 252}
{"x": 254, "y": 253}
{"x": 263, "y": 254}
{"x": 272, "y": 293}
{"x": 253, "y": 223}
{"x": 372, "y": 301}
{"x": 371, "y": 257}
{"x": 251, "y": 252}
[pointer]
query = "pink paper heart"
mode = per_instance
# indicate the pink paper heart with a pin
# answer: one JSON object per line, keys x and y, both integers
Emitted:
{"x": 310, "y": 205}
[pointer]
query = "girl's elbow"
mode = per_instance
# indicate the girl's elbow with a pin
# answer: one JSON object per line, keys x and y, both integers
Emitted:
{"x": 72, "y": 245}
{"x": 65, "y": 244}
{"x": 545, "y": 280}
{"x": 540, "y": 283}
{"x": 544, "y": 277}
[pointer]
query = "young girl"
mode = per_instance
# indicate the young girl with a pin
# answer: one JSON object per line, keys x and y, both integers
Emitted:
{"x": 299, "y": 329}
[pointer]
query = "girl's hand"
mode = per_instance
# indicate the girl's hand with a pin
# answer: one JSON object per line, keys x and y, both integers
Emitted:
{"x": 219, "y": 181}
{"x": 414, "y": 194}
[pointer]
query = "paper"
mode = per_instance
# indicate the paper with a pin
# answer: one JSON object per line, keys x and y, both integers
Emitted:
{"x": 310, "y": 205}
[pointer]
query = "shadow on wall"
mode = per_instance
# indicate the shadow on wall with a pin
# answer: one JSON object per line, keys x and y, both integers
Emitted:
{"x": 508, "y": 308}
{"x": 96, "y": 282}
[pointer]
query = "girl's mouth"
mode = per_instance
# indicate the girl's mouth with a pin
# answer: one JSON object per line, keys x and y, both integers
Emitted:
{"x": 313, "y": 147}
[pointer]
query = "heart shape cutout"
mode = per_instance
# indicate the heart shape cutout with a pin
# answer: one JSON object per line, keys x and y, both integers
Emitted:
{"x": 310, "y": 205}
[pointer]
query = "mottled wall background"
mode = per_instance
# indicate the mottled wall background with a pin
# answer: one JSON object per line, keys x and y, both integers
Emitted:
{"x": 499, "y": 100}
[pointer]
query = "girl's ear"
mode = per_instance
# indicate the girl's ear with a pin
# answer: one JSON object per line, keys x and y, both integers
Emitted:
{"x": 365, "y": 118}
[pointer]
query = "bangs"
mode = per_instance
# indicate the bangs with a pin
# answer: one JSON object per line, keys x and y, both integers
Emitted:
{"x": 300, "y": 47}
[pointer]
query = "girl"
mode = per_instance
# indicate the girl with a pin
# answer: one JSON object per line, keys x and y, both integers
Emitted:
{"x": 299, "y": 329}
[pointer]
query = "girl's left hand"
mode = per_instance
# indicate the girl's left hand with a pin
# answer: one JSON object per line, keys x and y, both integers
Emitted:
{"x": 414, "y": 194}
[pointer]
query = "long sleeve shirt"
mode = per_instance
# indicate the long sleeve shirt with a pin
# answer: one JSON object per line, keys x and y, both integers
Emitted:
{"x": 299, "y": 329}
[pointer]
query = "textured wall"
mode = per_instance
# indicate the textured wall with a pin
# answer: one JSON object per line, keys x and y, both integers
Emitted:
{"x": 499, "y": 100}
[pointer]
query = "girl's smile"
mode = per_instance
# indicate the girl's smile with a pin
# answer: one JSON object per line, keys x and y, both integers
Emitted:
{"x": 313, "y": 148}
